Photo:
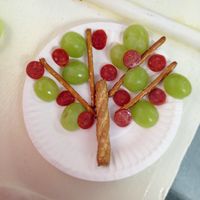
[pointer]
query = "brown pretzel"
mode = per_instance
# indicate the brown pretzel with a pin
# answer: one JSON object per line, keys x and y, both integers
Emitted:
{"x": 103, "y": 123}
{"x": 152, "y": 85}
{"x": 90, "y": 65}
{"x": 66, "y": 85}
{"x": 144, "y": 56}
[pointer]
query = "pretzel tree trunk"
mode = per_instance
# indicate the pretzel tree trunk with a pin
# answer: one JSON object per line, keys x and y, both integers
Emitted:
{"x": 103, "y": 124}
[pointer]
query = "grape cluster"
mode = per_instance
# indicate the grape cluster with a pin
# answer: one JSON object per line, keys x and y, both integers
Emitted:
{"x": 123, "y": 57}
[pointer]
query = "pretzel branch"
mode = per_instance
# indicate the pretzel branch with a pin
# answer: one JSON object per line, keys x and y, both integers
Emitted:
{"x": 151, "y": 86}
{"x": 90, "y": 65}
{"x": 66, "y": 85}
{"x": 151, "y": 49}
{"x": 144, "y": 56}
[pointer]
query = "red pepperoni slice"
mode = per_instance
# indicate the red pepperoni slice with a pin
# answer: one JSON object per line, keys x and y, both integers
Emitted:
{"x": 85, "y": 120}
{"x": 61, "y": 57}
{"x": 35, "y": 70}
{"x": 65, "y": 98}
{"x": 99, "y": 39}
{"x": 108, "y": 72}
{"x": 131, "y": 58}
{"x": 121, "y": 97}
{"x": 122, "y": 117}
{"x": 157, "y": 96}
{"x": 157, "y": 62}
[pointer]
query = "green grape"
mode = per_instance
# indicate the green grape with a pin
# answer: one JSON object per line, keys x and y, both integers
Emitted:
{"x": 116, "y": 54}
{"x": 137, "y": 38}
{"x": 144, "y": 114}
{"x": 70, "y": 115}
{"x": 177, "y": 86}
{"x": 136, "y": 79}
{"x": 75, "y": 72}
{"x": 74, "y": 44}
{"x": 46, "y": 89}
{"x": 1, "y": 28}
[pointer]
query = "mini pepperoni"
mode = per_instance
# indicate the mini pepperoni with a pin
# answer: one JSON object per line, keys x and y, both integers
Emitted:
{"x": 65, "y": 98}
{"x": 61, "y": 57}
{"x": 131, "y": 58}
{"x": 99, "y": 39}
{"x": 157, "y": 62}
{"x": 35, "y": 70}
{"x": 85, "y": 120}
{"x": 122, "y": 117}
{"x": 157, "y": 96}
{"x": 108, "y": 72}
{"x": 121, "y": 97}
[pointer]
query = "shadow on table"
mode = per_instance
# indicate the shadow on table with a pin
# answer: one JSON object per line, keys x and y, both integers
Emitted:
{"x": 187, "y": 182}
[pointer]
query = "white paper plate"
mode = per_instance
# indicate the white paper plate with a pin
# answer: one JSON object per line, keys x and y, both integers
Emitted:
{"x": 133, "y": 148}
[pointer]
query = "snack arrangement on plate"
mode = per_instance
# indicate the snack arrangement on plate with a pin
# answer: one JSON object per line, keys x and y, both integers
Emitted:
{"x": 136, "y": 95}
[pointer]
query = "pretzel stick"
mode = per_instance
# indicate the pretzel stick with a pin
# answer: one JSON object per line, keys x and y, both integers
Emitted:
{"x": 103, "y": 124}
{"x": 66, "y": 85}
{"x": 152, "y": 85}
{"x": 151, "y": 49}
{"x": 144, "y": 56}
{"x": 90, "y": 65}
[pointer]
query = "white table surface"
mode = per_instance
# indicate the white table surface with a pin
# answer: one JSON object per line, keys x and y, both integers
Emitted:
{"x": 29, "y": 25}
{"x": 183, "y": 11}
